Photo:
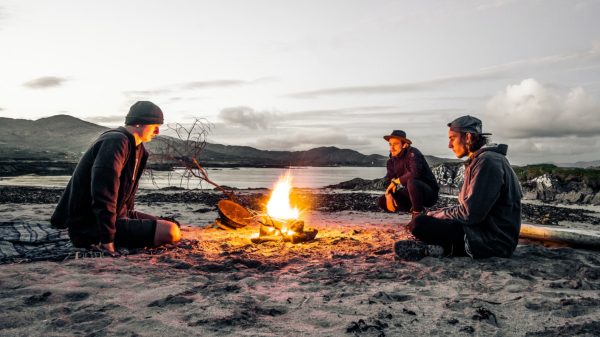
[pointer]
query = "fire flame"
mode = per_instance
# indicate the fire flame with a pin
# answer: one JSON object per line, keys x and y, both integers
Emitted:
{"x": 279, "y": 204}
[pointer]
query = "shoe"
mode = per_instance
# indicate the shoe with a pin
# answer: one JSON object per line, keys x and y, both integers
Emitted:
{"x": 414, "y": 250}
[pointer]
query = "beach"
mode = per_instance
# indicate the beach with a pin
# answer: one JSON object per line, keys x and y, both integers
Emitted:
{"x": 344, "y": 283}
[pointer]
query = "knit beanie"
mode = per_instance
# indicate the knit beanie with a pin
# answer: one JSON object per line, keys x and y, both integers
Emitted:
{"x": 144, "y": 112}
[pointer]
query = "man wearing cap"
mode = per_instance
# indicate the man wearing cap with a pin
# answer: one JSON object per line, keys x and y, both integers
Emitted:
{"x": 97, "y": 204}
{"x": 411, "y": 186}
{"x": 487, "y": 220}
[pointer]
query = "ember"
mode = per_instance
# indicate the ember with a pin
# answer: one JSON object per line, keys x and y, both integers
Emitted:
{"x": 282, "y": 222}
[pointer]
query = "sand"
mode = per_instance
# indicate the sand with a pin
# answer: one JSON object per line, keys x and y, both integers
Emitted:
{"x": 345, "y": 283}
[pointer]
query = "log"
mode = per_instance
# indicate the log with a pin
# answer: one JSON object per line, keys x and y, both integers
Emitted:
{"x": 266, "y": 238}
{"x": 572, "y": 237}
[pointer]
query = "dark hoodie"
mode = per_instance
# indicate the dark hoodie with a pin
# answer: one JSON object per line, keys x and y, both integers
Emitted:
{"x": 101, "y": 189}
{"x": 410, "y": 164}
{"x": 489, "y": 204}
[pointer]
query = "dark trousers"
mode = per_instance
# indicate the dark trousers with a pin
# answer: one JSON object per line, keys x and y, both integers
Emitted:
{"x": 442, "y": 232}
{"x": 415, "y": 196}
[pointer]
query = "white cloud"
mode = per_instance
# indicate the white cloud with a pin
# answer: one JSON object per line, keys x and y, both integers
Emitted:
{"x": 530, "y": 109}
{"x": 248, "y": 117}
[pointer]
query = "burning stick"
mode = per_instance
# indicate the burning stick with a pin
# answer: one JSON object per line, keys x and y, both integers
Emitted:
{"x": 282, "y": 221}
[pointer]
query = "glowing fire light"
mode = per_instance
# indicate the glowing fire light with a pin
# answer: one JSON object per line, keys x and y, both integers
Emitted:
{"x": 279, "y": 203}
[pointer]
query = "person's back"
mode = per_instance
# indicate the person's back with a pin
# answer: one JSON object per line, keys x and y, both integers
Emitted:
{"x": 98, "y": 204}
{"x": 94, "y": 182}
{"x": 490, "y": 182}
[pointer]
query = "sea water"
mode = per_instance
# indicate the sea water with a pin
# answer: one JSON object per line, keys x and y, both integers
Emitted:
{"x": 242, "y": 177}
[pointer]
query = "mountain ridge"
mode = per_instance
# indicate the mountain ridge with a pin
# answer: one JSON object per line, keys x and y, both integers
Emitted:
{"x": 64, "y": 137}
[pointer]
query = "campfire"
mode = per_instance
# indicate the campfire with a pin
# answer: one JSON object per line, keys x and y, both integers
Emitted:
{"x": 282, "y": 221}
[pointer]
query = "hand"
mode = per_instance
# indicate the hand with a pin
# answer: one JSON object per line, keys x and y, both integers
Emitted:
{"x": 436, "y": 214}
{"x": 390, "y": 203}
{"x": 390, "y": 189}
{"x": 108, "y": 248}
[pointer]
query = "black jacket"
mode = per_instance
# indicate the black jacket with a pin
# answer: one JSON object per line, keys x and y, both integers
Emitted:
{"x": 102, "y": 188}
{"x": 489, "y": 204}
{"x": 410, "y": 164}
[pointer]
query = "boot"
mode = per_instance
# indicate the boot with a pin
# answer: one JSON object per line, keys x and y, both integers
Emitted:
{"x": 414, "y": 250}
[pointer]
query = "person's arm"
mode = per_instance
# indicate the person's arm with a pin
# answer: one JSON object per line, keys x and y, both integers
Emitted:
{"x": 485, "y": 187}
{"x": 414, "y": 169}
{"x": 106, "y": 172}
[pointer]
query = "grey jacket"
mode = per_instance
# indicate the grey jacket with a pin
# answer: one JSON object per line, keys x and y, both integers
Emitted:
{"x": 489, "y": 204}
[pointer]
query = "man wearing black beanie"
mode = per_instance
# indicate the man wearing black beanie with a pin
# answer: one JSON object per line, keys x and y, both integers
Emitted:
{"x": 98, "y": 204}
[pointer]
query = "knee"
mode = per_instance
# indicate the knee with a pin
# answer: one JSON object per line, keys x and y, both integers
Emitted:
{"x": 417, "y": 226}
{"x": 174, "y": 232}
{"x": 166, "y": 232}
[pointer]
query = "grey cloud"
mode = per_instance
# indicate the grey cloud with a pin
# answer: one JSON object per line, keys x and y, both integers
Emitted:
{"x": 224, "y": 83}
{"x": 194, "y": 85}
{"x": 248, "y": 117}
{"x": 45, "y": 82}
{"x": 546, "y": 150}
{"x": 148, "y": 93}
{"x": 592, "y": 54}
{"x": 530, "y": 109}
{"x": 399, "y": 88}
{"x": 106, "y": 119}
{"x": 303, "y": 140}
{"x": 212, "y": 84}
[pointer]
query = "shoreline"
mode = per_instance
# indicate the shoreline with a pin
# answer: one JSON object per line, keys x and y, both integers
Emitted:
{"x": 315, "y": 199}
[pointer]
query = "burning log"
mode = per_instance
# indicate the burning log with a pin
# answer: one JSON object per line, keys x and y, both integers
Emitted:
{"x": 291, "y": 230}
{"x": 281, "y": 223}
{"x": 233, "y": 215}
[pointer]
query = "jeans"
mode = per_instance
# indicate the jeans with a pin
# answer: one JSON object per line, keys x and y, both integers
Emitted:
{"x": 442, "y": 232}
{"x": 413, "y": 197}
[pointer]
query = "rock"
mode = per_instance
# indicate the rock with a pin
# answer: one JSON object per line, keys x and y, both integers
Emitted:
{"x": 596, "y": 199}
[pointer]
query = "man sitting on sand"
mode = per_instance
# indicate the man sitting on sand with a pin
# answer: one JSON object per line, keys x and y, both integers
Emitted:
{"x": 487, "y": 220}
{"x": 97, "y": 205}
{"x": 411, "y": 186}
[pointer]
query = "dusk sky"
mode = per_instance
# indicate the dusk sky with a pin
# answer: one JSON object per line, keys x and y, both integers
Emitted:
{"x": 294, "y": 75}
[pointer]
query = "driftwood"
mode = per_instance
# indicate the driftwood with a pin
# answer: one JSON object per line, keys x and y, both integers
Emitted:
{"x": 568, "y": 236}
{"x": 184, "y": 151}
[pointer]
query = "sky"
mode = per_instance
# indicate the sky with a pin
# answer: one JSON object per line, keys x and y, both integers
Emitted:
{"x": 294, "y": 75}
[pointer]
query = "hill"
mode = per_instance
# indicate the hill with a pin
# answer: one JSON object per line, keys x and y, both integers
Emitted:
{"x": 64, "y": 138}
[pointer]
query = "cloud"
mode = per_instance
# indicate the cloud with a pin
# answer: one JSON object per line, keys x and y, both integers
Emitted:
{"x": 310, "y": 140}
{"x": 530, "y": 109}
{"x": 593, "y": 54}
{"x": 399, "y": 88}
{"x": 196, "y": 85}
{"x": 45, "y": 82}
{"x": 248, "y": 117}
{"x": 148, "y": 93}
{"x": 212, "y": 84}
{"x": 114, "y": 119}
